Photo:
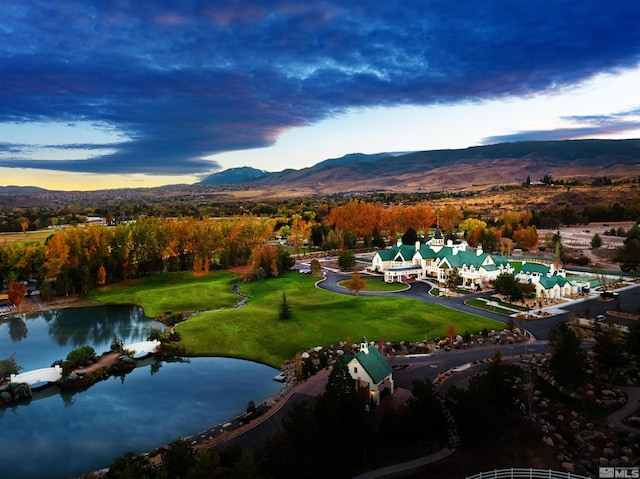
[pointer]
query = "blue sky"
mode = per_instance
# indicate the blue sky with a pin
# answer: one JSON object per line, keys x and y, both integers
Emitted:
{"x": 122, "y": 93}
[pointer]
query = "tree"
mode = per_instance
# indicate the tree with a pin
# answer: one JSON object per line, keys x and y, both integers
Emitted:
{"x": 285, "y": 308}
{"x": 427, "y": 415}
{"x": 629, "y": 254}
{"x": 16, "y": 293}
{"x": 454, "y": 279}
{"x": 316, "y": 267}
{"x": 340, "y": 384}
{"x": 410, "y": 236}
{"x": 632, "y": 339}
{"x": 346, "y": 260}
{"x": 101, "y": 278}
{"x": 8, "y": 367}
{"x": 507, "y": 285}
{"x": 596, "y": 241}
{"x": 450, "y": 216}
{"x": 129, "y": 466}
{"x": 355, "y": 283}
{"x": 177, "y": 458}
{"x": 608, "y": 351}
{"x": 568, "y": 357}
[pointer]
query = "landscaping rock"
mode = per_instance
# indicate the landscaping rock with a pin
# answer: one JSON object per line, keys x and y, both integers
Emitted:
{"x": 569, "y": 467}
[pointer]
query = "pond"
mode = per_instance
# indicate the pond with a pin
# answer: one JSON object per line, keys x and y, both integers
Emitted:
{"x": 60, "y": 434}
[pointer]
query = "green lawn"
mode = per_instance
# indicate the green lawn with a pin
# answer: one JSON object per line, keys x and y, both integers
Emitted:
{"x": 378, "y": 285}
{"x": 319, "y": 318}
{"x": 175, "y": 292}
{"x": 478, "y": 303}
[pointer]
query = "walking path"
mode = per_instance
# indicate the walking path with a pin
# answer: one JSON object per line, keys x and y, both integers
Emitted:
{"x": 632, "y": 404}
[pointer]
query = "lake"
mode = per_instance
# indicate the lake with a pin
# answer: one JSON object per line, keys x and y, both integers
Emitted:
{"x": 63, "y": 434}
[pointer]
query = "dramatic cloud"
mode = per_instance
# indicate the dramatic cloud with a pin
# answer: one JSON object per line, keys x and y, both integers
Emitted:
{"x": 185, "y": 79}
{"x": 589, "y": 126}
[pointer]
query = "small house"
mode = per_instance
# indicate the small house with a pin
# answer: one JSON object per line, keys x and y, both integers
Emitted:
{"x": 370, "y": 370}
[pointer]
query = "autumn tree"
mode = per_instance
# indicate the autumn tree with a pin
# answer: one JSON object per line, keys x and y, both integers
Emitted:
{"x": 16, "y": 293}
{"x": 57, "y": 253}
{"x": 316, "y": 267}
{"x": 355, "y": 283}
{"x": 450, "y": 217}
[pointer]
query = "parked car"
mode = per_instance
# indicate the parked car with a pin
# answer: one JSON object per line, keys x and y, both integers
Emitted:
{"x": 609, "y": 294}
{"x": 600, "y": 318}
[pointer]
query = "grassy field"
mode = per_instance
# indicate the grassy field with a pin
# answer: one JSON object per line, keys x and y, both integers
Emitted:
{"x": 254, "y": 332}
{"x": 177, "y": 292}
{"x": 319, "y": 318}
{"x": 40, "y": 236}
{"x": 378, "y": 285}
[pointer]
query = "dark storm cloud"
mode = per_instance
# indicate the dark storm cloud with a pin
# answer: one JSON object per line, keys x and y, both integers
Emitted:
{"x": 591, "y": 126}
{"x": 185, "y": 79}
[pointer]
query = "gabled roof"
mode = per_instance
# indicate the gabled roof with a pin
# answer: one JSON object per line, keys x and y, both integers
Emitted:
{"x": 528, "y": 268}
{"x": 406, "y": 251}
{"x": 549, "y": 283}
{"x": 468, "y": 258}
{"x": 374, "y": 364}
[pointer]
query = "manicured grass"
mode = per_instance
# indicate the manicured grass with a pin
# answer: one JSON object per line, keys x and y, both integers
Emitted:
{"x": 177, "y": 292}
{"x": 320, "y": 318}
{"x": 40, "y": 236}
{"x": 478, "y": 303}
{"x": 517, "y": 266}
{"x": 378, "y": 285}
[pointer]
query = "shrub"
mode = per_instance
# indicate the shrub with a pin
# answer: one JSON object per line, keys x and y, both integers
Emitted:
{"x": 8, "y": 367}
{"x": 19, "y": 391}
{"x": 80, "y": 355}
{"x": 117, "y": 345}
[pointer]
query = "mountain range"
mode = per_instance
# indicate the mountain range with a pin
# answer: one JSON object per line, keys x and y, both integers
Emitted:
{"x": 437, "y": 170}
{"x": 474, "y": 168}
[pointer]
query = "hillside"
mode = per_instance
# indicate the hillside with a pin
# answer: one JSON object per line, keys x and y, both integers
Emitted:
{"x": 438, "y": 170}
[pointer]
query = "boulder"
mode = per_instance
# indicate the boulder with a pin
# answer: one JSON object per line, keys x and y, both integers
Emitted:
{"x": 569, "y": 467}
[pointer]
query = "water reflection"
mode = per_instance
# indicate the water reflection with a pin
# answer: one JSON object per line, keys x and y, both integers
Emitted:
{"x": 153, "y": 405}
{"x": 38, "y": 339}
{"x": 17, "y": 329}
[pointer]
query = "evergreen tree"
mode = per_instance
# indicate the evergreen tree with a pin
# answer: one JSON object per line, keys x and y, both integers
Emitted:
{"x": 346, "y": 260}
{"x": 410, "y": 236}
{"x": 285, "y": 308}
{"x": 567, "y": 362}
{"x": 596, "y": 241}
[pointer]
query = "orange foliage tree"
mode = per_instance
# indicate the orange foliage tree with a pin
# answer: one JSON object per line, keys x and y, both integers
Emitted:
{"x": 16, "y": 293}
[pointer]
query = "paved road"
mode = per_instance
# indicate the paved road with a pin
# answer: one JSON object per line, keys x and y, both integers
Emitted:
{"x": 423, "y": 367}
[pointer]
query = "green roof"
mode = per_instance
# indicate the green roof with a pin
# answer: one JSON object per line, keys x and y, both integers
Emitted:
{"x": 549, "y": 283}
{"x": 535, "y": 268}
{"x": 390, "y": 254}
{"x": 468, "y": 258}
{"x": 374, "y": 364}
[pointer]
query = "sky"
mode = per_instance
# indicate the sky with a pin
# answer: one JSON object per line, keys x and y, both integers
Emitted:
{"x": 123, "y": 93}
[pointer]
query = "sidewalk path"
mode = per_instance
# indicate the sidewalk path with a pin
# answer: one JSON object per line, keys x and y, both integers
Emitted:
{"x": 633, "y": 403}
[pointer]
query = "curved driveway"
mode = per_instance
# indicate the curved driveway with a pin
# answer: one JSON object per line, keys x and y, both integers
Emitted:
{"x": 421, "y": 367}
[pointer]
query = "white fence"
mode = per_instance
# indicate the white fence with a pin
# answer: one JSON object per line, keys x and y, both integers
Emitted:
{"x": 522, "y": 473}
